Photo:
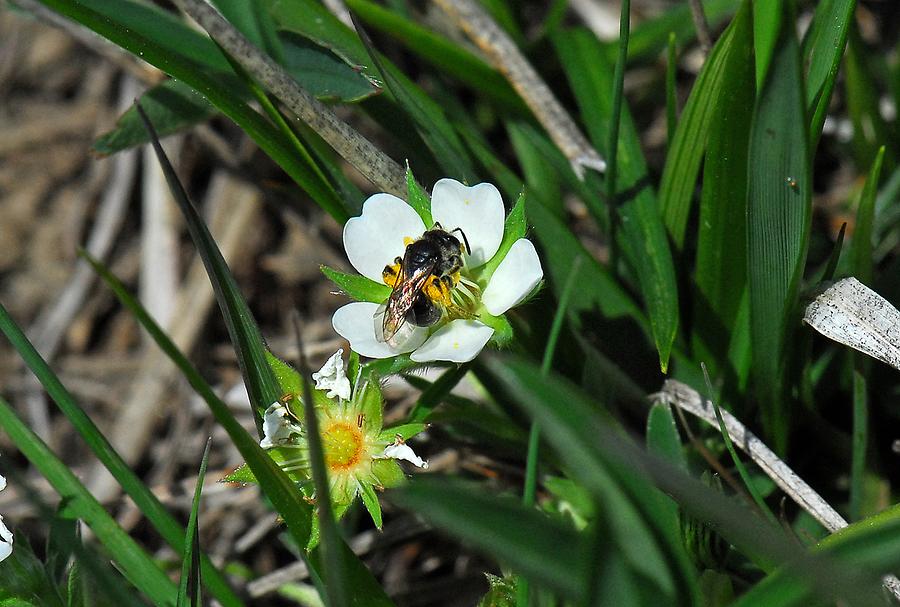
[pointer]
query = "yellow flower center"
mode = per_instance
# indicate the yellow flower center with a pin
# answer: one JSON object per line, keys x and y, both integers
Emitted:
{"x": 343, "y": 445}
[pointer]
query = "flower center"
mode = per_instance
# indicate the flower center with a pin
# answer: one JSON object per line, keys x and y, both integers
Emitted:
{"x": 343, "y": 445}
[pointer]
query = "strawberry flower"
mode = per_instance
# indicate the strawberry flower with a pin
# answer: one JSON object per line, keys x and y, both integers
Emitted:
{"x": 501, "y": 268}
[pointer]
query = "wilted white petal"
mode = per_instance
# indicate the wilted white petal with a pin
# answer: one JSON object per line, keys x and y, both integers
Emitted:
{"x": 853, "y": 314}
{"x": 2, "y": 483}
{"x": 476, "y": 210}
{"x": 516, "y": 276}
{"x": 331, "y": 377}
{"x": 459, "y": 341}
{"x": 403, "y": 451}
{"x": 355, "y": 322}
{"x": 278, "y": 426}
{"x": 374, "y": 239}
{"x": 6, "y": 541}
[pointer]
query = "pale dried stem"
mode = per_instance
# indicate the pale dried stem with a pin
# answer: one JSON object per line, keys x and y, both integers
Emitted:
{"x": 701, "y": 25}
{"x": 687, "y": 399}
{"x": 505, "y": 56}
{"x": 374, "y": 164}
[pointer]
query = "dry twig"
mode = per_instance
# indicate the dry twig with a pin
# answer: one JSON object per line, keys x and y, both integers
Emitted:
{"x": 506, "y": 57}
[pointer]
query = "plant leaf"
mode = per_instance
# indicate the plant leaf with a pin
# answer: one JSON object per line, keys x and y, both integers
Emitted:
{"x": 358, "y": 287}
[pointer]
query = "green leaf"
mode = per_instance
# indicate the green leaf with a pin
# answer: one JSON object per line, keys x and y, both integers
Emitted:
{"x": 418, "y": 198}
{"x": 513, "y": 229}
{"x": 767, "y": 17}
{"x": 662, "y": 436}
{"x": 643, "y": 236}
{"x": 370, "y": 500}
{"x": 823, "y": 48}
{"x": 150, "y": 506}
{"x": 324, "y": 74}
{"x": 135, "y": 564}
{"x": 721, "y": 265}
{"x": 358, "y": 287}
{"x": 863, "y": 98}
{"x": 189, "y": 588}
{"x": 245, "y": 336}
{"x": 435, "y": 393}
{"x": 727, "y": 59}
{"x": 173, "y": 105}
{"x": 538, "y": 547}
{"x": 861, "y": 249}
{"x": 778, "y": 224}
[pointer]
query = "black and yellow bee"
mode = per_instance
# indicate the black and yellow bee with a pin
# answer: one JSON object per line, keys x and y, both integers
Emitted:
{"x": 422, "y": 281}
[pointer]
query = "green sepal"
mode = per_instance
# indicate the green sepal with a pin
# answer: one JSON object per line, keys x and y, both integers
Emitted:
{"x": 388, "y": 472}
{"x": 291, "y": 382}
{"x": 242, "y": 474}
{"x": 405, "y": 431}
{"x": 503, "y": 331}
{"x": 418, "y": 198}
{"x": 513, "y": 229}
{"x": 370, "y": 403}
{"x": 370, "y": 500}
{"x": 358, "y": 287}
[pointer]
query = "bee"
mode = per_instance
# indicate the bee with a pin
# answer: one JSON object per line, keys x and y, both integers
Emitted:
{"x": 422, "y": 281}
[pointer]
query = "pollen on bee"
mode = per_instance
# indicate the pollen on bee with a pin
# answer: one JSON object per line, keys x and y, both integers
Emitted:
{"x": 390, "y": 273}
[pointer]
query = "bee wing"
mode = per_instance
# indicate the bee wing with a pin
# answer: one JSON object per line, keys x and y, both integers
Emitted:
{"x": 391, "y": 315}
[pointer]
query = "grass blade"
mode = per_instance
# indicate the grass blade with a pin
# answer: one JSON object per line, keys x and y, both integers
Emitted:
{"x": 190, "y": 563}
{"x": 861, "y": 251}
{"x": 135, "y": 564}
{"x": 778, "y": 224}
{"x": 823, "y": 48}
{"x": 686, "y": 148}
{"x": 643, "y": 235}
{"x": 248, "y": 343}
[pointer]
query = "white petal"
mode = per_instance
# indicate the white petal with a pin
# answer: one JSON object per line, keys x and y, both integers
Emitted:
{"x": 403, "y": 451}
{"x": 477, "y": 211}
{"x": 374, "y": 239}
{"x": 6, "y": 541}
{"x": 331, "y": 377}
{"x": 2, "y": 483}
{"x": 458, "y": 342}
{"x": 516, "y": 276}
{"x": 278, "y": 427}
{"x": 355, "y": 322}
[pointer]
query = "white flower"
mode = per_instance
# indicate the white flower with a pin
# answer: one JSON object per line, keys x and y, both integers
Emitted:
{"x": 278, "y": 426}
{"x": 6, "y": 537}
{"x": 400, "y": 450}
{"x": 331, "y": 377}
{"x": 381, "y": 234}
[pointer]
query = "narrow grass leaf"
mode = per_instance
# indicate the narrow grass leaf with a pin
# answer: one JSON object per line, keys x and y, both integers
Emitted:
{"x": 245, "y": 336}
{"x": 644, "y": 239}
{"x": 861, "y": 251}
{"x": 547, "y": 552}
{"x": 863, "y": 103}
{"x": 433, "y": 395}
{"x": 663, "y": 438}
{"x": 189, "y": 588}
{"x": 418, "y": 198}
{"x": 767, "y": 17}
{"x": 78, "y": 503}
{"x": 686, "y": 149}
{"x": 358, "y": 287}
{"x": 859, "y": 439}
{"x": 823, "y": 48}
{"x": 778, "y": 224}
{"x": 671, "y": 90}
{"x": 281, "y": 491}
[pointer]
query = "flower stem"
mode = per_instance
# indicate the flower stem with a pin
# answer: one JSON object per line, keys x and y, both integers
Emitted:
{"x": 534, "y": 435}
